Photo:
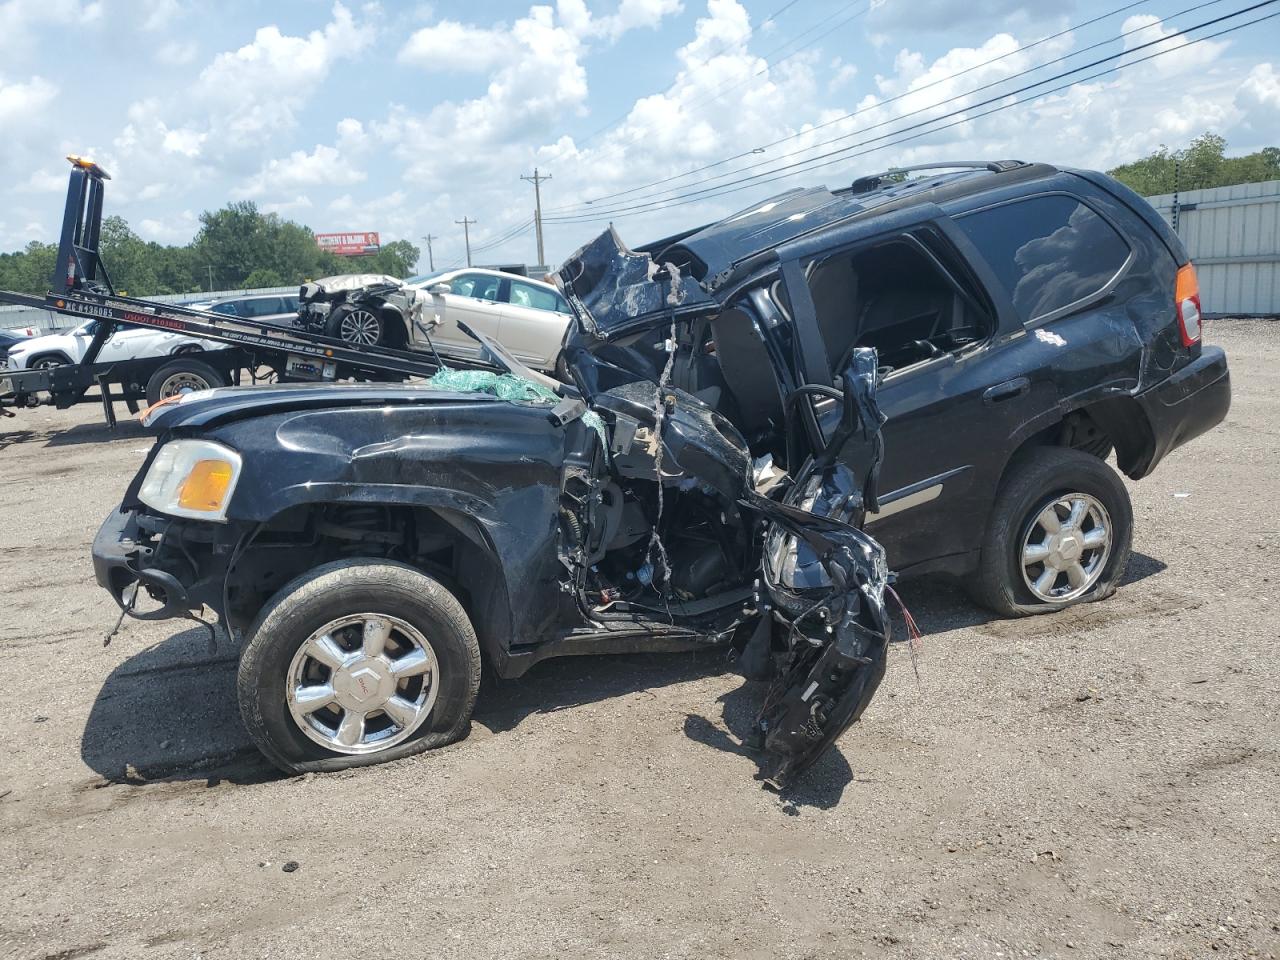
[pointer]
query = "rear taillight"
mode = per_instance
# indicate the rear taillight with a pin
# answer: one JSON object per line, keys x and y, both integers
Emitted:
{"x": 1186, "y": 299}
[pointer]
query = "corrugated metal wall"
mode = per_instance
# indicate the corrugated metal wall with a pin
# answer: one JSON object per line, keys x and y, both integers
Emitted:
{"x": 1233, "y": 235}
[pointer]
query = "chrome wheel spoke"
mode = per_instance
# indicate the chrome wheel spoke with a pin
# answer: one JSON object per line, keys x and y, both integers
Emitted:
{"x": 412, "y": 664}
{"x": 311, "y": 699}
{"x": 376, "y": 633}
{"x": 351, "y": 729}
{"x": 1048, "y": 519}
{"x": 1076, "y": 576}
{"x": 1046, "y": 580}
{"x": 1097, "y": 537}
{"x": 326, "y": 650}
{"x": 401, "y": 711}
{"x": 1078, "y": 509}
{"x": 1035, "y": 553}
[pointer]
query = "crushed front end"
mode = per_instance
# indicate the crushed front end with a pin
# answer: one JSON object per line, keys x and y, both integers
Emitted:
{"x": 677, "y": 366}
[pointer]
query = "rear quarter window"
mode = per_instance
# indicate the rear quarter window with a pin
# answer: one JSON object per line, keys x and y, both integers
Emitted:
{"x": 1049, "y": 251}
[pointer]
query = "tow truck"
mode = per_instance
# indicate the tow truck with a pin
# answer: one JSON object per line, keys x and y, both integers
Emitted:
{"x": 81, "y": 288}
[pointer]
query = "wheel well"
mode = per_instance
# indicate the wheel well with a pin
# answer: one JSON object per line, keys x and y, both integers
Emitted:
{"x": 396, "y": 325}
{"x": 445, "y": 546}
{"x": 1116, "y": 423}
{"x": 58, "y": 354}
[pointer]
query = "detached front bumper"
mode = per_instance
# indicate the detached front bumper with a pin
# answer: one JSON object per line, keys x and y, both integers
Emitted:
{"x": 127, "y": 556}
{"x": 1190, "y": 402}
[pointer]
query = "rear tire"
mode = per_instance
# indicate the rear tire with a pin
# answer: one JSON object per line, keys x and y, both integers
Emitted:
{"x": 424, "y": 615}
{"x": 182, "y": 375}
{"x": 1043, "y": 487}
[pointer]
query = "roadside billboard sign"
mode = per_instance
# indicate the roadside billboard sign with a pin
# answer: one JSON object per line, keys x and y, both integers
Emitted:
{"x": 349, "y": 244}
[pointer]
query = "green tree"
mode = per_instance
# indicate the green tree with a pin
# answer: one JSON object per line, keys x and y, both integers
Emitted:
{"x": 1202, "y": 163}
{"x": 263, "y": 277}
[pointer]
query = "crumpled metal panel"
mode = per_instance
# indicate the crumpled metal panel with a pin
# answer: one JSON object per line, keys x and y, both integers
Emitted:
{"x": 609, "y": 286}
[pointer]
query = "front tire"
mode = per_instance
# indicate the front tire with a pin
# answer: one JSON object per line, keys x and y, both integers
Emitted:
{"x": 358, "y": 662}
{"x": 1060, "y": 533}
{"x": 358, "y": 325}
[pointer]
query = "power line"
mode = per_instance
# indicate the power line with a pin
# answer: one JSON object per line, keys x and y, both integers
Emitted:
{"x": 812, "y": 162}
{"x": 510, "y": 235}
{"x": 881, "y": 103}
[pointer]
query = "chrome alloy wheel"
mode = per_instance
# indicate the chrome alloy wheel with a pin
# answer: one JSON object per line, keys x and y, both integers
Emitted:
{"x": 360, "y": 326}
{"x": 182, "y": 382}
{"x": 1065, "y": 548}
{"x": 362, "y": 683}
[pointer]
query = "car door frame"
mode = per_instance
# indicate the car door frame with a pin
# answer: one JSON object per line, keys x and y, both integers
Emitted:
{"x": 463, "y": 345}
{"x": 978, "y": 490}
{"x": 544, "y": 361}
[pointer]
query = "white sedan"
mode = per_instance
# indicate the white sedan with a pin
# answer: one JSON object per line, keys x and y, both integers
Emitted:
{"x": 526, "y": 316}
{"x": 129, "y": 343}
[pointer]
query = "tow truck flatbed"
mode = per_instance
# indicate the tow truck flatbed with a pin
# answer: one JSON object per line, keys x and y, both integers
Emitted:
{"x": 82, "y": 288}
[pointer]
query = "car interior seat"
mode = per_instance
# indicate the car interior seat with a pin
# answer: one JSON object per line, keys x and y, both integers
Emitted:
{"x": 748, "y": 373}
{"x": 833, "y": 285}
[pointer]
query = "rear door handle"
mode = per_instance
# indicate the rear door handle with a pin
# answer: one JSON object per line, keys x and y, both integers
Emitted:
{"x": 1006, "y": 391}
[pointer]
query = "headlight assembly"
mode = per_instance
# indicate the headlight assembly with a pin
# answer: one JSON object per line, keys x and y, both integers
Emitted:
{"x": 192, "y": 478}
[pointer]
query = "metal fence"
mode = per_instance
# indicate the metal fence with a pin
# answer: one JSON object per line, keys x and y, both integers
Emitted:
{"x": 1233, "y": 235}
{"x": 11, "y": 317}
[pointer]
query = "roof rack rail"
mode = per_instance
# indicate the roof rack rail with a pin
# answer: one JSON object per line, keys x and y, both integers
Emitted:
{"x": 872, "y": 181}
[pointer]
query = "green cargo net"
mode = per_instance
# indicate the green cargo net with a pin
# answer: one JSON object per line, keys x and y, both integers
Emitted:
{"x": 509, "y": 387}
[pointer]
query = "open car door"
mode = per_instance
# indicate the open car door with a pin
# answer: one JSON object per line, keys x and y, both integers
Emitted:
{"x": 829, "y": 634}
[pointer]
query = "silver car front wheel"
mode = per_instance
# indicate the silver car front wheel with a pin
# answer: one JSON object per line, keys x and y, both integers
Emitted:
{"x": 360, "y": 326}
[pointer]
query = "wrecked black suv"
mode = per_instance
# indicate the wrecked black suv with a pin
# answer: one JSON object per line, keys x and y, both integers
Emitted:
{"x": 703, "y": 478}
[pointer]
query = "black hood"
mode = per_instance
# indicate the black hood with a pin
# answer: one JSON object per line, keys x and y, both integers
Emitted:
{"x": 209, "y": 407}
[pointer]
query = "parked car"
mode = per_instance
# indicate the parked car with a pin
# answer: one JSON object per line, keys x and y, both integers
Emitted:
{"x": 703, "y": 477}
{"x": 273, "y": 308}
{"x": 70, "y": 346}
{"x": 10, "y": 337}
{"x": 527, "y": 316}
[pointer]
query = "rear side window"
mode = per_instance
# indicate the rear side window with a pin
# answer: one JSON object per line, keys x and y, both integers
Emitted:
{"x": 527, "y": 295}
{"x": 478, "y": 286}
{"x": 260, "y": 307}
{"x": 1048, "y": 251}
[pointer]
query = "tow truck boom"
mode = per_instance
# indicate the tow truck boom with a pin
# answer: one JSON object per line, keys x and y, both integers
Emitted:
{"x": 81, "y": 287}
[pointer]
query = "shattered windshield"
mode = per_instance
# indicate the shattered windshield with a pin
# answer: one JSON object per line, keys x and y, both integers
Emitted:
{"x": 509, "y": 387}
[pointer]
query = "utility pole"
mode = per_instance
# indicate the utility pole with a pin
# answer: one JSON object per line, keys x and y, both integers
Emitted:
{"x": 466, "y": 233}
{"x": 211, "y": 278}
{"x": 536, "y": 180}
{"x": 431, "y": 260}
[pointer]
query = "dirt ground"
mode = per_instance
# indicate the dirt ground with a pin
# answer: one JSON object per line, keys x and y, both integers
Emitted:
{"x": 1099, "y": 783}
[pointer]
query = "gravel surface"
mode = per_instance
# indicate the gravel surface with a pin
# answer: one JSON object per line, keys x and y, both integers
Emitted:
{"x": 1099, "y": 783}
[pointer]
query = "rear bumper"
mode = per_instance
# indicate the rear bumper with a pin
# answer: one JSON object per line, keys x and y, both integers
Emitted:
{"x": 1188, "y": 403}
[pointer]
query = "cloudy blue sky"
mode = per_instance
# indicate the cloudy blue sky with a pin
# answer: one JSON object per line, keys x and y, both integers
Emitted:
{"x": 404, "y": 117}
